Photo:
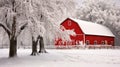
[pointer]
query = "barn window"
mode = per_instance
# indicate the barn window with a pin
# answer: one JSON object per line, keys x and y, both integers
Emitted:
{"x": 95, "y": 42}
{"x": 87, "y": 42}
{"x": 106, "y": 42}
{"x": 77, "y": 42}
{"x": 69, "y": 43}
{"x": 111, "y": 42}
{"x": 60, "y": 42}
{"x": 69, "y": 23}
{"x": 73, "y": 42}
{"x": 103, "y": 42}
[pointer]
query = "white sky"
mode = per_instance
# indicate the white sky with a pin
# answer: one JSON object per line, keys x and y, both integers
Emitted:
{"x": 80, "y": 1}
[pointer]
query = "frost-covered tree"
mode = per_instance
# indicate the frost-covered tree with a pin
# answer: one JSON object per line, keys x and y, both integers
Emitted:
{"x": 102, "y": 12}
{"x": 40, "y": 17}
{"x": 9, "y": 22}
{"x": 54, "y": 12}
{"x": 45, "y": 20}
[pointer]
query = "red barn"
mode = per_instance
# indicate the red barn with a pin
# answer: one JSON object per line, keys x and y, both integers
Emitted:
{"x": 87, "y": 33}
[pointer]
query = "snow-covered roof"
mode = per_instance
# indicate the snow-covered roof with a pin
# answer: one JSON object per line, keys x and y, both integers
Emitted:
{"x": 93, "y": 28}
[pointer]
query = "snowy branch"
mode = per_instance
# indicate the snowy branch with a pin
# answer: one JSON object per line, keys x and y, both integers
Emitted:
{"x": 6, "y": 28}
{"x": 21, "y": 29}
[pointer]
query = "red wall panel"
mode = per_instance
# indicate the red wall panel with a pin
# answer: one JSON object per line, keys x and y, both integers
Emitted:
{"x": 106, "y": 39}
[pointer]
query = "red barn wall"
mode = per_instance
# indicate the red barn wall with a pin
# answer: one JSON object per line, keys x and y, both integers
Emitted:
{"x": 106, "y": 39}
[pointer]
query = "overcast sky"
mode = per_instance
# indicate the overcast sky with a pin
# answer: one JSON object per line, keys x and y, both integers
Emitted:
{"x": 116, "y": 1}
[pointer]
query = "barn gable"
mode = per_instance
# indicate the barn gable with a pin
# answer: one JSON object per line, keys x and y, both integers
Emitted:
{"x": 90, "y": 28}
{"x": 72, "y": 25}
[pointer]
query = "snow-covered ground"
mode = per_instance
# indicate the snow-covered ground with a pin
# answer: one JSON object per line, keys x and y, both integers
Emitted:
{"x": 63, "y": 58}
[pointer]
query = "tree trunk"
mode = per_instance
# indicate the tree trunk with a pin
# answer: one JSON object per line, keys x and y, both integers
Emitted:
{"x": 34, "y": 47}
{"x": 41, "y": 46}
{"x": 13, "y": 47}
{"x": 13, "y": 40}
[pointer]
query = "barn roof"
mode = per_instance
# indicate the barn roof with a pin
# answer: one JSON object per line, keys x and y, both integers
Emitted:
{"x": 93, "y": 28}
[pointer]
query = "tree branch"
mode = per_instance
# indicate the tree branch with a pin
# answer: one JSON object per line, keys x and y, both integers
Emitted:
{"x": 22, "y": 28}
{"x": 6, "y": 29}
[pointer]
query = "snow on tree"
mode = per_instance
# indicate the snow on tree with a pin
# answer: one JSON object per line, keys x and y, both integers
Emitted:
{"x": 40, "y": 18}
{"x": 9, "y": 22}
{"x": 102, "y": 12}
{"x": 43, "y": 22}
{"x": 54, "y": 12}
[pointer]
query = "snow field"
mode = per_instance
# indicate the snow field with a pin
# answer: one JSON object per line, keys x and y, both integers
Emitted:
{"x": 62, "y": 58}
